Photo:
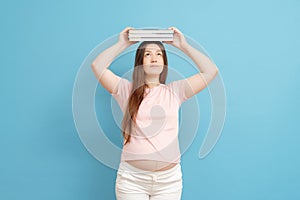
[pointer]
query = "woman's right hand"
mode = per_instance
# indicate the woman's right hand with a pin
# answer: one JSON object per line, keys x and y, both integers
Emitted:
{"x": 123, "y": 37}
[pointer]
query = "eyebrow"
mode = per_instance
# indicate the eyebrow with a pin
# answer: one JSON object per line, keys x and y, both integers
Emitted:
{"x": 151, "y": 51}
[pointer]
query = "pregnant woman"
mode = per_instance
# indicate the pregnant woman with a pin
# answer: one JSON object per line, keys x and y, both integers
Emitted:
{"x": 150, "y": 162}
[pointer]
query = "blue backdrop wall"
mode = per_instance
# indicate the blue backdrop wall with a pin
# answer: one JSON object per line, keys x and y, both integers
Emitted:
{"x": 254, "y": 43}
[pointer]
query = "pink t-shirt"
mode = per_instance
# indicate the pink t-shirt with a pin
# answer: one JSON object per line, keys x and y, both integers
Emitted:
{"x": 155, "y": 136}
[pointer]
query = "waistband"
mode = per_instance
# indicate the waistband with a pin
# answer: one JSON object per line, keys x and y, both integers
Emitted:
{"x": 124, "y": 166}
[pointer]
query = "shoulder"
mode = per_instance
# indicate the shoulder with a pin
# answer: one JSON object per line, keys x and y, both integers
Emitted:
{"x": 175, "y": 85}
{"x": 124, "y": 82}
{"x": 123, "y": 86}
{"x": 177, "y": 89}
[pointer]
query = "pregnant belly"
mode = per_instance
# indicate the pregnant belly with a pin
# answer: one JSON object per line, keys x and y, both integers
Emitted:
{"x": 151, "y": 165}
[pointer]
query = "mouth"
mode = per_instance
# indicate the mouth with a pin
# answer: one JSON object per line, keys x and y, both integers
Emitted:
{"x": 156, "y": 66}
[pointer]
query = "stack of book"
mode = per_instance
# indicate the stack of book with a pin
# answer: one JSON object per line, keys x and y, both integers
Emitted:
{"x": 150, "y": 35}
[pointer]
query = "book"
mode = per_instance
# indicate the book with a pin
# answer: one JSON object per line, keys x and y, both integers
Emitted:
{"x": 150, "y": 35}
{"x": 151, "y": 31}
{"x": 151, "y": 39}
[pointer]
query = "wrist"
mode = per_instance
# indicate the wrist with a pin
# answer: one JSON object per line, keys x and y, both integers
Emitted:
{"x": 122, "y": 45}
{"x": 184, "y": 46}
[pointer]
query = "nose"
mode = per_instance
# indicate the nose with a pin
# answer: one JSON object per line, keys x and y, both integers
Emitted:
{"x": 153, "y": 59}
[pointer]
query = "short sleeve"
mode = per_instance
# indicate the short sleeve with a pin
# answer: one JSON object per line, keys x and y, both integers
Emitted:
{"x": 122, "y": 93}
{"x": 178, "y": 89}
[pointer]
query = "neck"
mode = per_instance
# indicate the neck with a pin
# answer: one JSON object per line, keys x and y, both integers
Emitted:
{"x": 152, "y": 81}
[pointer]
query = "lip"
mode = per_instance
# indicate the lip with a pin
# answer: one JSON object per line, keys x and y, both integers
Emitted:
{"x": 155, "y": 65}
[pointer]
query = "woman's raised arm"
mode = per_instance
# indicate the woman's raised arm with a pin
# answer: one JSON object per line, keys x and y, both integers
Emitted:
{"x": 208, "y": 70}
{"x": 100, "y": 65}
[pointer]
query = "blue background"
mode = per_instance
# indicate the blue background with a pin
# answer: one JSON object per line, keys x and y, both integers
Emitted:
{"x": 254, "y": 43}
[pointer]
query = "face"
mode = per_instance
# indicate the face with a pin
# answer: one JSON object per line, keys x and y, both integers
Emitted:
{"x": 153, "y": 62}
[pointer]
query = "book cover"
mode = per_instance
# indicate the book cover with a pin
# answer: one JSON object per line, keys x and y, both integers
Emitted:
{"x": 151, "y": 31}
{"x": 151, "y": 39}
{"x": 150, "y": 35}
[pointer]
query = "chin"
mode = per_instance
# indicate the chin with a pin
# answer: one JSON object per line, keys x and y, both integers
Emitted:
{"x": 154, "y": 70}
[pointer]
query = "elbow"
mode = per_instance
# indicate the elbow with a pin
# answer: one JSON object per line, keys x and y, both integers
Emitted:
{"x": 93, "y": 65}
{"x": 214, "y": 72}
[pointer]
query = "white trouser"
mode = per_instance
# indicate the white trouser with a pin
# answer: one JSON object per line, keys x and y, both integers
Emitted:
{"x": 136, "y": 184}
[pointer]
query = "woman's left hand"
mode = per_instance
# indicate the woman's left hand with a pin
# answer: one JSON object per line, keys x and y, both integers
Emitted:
{"x": 179, "y": 40}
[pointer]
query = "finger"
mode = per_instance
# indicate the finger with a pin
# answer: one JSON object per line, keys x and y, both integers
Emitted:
{"x": 127, "y": 29}
{"x": 167, "y": 42}
{"x": 176, "y": 30}
{"x": 172, "y": 28}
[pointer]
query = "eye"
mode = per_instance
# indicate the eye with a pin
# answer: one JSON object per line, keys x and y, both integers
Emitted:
{"x": 147, "y": 54}
{"x": 159, "y": 54}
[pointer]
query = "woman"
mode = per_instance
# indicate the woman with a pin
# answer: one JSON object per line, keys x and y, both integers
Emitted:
{"x": 150, "y": 164}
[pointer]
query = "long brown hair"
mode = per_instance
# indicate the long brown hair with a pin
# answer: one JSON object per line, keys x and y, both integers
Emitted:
{"x": 139, "y": 86}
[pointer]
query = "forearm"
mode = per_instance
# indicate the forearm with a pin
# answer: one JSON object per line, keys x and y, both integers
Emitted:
{"x": 204, "y": 64}
{"x": 104, "y": 59}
